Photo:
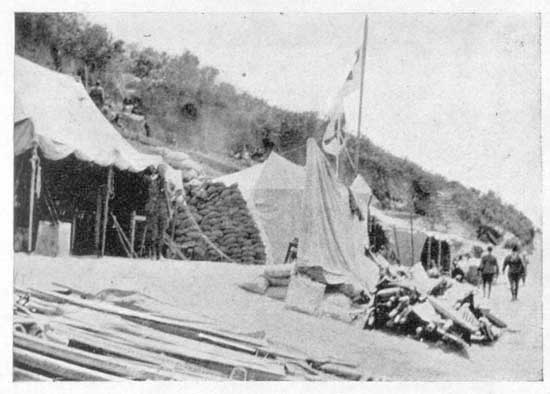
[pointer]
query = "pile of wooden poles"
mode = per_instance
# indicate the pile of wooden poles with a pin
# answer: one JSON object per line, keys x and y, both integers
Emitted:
{"x": 67, "y": 334}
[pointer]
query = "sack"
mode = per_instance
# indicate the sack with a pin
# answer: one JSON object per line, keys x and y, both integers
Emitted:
{"x": 279, "y": 270}
{"x": 258, "y": 286}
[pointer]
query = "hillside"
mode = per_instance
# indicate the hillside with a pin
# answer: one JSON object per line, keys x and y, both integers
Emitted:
{"x": 188, "y": 108}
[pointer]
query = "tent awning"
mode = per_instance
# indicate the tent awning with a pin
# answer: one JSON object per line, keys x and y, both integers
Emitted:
{"x": 65, "y": 121}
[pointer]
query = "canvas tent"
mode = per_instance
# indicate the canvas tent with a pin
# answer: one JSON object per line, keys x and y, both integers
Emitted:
{"x": 55, "y": 118}
{"x": 65, "y": 121}
{"x": 273, "y": 191}
{"x": 331, "y": 236}
{"x": 363, "y": 191}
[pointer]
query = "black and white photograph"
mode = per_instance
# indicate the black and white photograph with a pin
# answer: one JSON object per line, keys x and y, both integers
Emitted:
{"x": 276, "y": 196}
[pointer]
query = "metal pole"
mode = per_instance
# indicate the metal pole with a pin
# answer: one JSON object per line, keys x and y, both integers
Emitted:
{"x": 361, "y": 86}
{"x": 106, "y": 208}
{"x": 33, "y": 160}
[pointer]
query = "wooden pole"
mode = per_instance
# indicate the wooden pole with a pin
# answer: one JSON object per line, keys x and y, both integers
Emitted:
{"x": 412, "y": 241}
{"x": 97, "y": 231}
{"x": 73, "y": 232}
{"x": 106, "y": 208}
{"x": 438, "y": 254}
{"x": 361, "y": 87}
{"x": 429, "y": 254}
{"x": 396, "y": 244}
{"x": 34, "y": 160}
{"x": 132, "y": 230}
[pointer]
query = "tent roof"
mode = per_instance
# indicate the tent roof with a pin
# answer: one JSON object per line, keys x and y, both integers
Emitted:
{"x": 246, "y": 179}
{"x": 66, "y": 121}
{"x": 280, "y": 173}
{"x": 275, "y": 172}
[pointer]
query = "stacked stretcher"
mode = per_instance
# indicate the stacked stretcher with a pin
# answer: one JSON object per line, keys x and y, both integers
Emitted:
{"x": 442, "y": 309}
{"x": 119, "y": 335}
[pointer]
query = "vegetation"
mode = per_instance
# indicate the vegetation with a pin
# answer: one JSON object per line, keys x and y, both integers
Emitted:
{"x": 186, "y": 103}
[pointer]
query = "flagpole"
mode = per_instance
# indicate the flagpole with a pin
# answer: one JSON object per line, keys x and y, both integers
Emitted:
{"x": 363, "y": 56}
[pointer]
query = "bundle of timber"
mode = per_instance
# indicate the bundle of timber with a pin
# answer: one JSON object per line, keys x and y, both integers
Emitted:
{"x": 70, "y": 335}
{"x": 441, "y": 309}
{"x": 217, "y": 226}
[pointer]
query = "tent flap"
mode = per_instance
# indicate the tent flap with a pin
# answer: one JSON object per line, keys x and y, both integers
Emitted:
{"x": 330, "y": 236}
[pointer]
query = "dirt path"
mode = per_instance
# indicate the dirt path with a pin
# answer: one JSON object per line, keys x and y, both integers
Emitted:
{"x": 210, "y": 288}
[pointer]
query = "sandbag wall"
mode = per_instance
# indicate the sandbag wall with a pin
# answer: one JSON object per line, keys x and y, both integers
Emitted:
{"x": 223, "y": 217}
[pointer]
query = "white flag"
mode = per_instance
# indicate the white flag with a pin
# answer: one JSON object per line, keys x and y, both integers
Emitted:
{"x": 333, "y": 139}
{"x": 353, "y": 78}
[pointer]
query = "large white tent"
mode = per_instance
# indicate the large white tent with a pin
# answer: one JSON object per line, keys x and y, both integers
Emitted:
{"x": 273, "y": 191}
{"x": 54, "y": 111}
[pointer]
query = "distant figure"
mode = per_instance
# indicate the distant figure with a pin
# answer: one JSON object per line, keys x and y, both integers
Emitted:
{"x": 157, "y": 209}
{"x": 525, "y": 264}
{"x": 488, "y": 269}
{"x": 147, "y": 129}
{"x": 98, "y": 95}
{"x": 515, "y": 270}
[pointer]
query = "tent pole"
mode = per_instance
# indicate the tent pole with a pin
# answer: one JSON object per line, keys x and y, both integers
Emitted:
{"x": 361, "y": 86}
{"x": 412, "y": 241}
{"x": 438, "y": 254}
{"x": 396, "y": 244}
{"x": 369, "y": 227}
{"x": 34, "y": 162}
{"x": 97, "y": 222}
{"x": 132, "y": 230}
{"x": 429, "y": 254}
{"x": 106, "y": 210}
{"x": 73, "y": 232}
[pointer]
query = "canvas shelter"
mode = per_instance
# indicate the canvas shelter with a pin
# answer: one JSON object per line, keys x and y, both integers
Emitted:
{"x": 273, "y": 191}
{"x": 66, "y": 121}
{"x": 363, "y": 191}
{"x": 332, "y": 237}
{"x": 80, "y": 154}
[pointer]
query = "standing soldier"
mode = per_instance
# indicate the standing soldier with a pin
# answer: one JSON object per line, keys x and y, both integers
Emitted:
{"x": 515, "y": 270}
{"x": 488, "y": 268}
{"x": 157, "y": 208}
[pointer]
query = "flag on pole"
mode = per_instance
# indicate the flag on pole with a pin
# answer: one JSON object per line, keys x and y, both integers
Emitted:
{"x": 352, "y": 81}
{"x": 333, "y": 140}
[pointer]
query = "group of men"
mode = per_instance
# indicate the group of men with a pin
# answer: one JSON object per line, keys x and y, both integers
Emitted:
{"x": 489, "y": 270}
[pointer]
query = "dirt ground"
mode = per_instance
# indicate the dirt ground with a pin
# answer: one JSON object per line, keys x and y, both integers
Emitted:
{"x": 211, "y": 289}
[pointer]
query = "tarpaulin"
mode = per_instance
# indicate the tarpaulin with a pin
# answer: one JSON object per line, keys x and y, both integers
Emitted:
{"x": 331, "y": 237}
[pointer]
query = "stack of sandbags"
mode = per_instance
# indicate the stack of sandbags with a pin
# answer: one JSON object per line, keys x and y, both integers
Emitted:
{"x": 223, "y": 217}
